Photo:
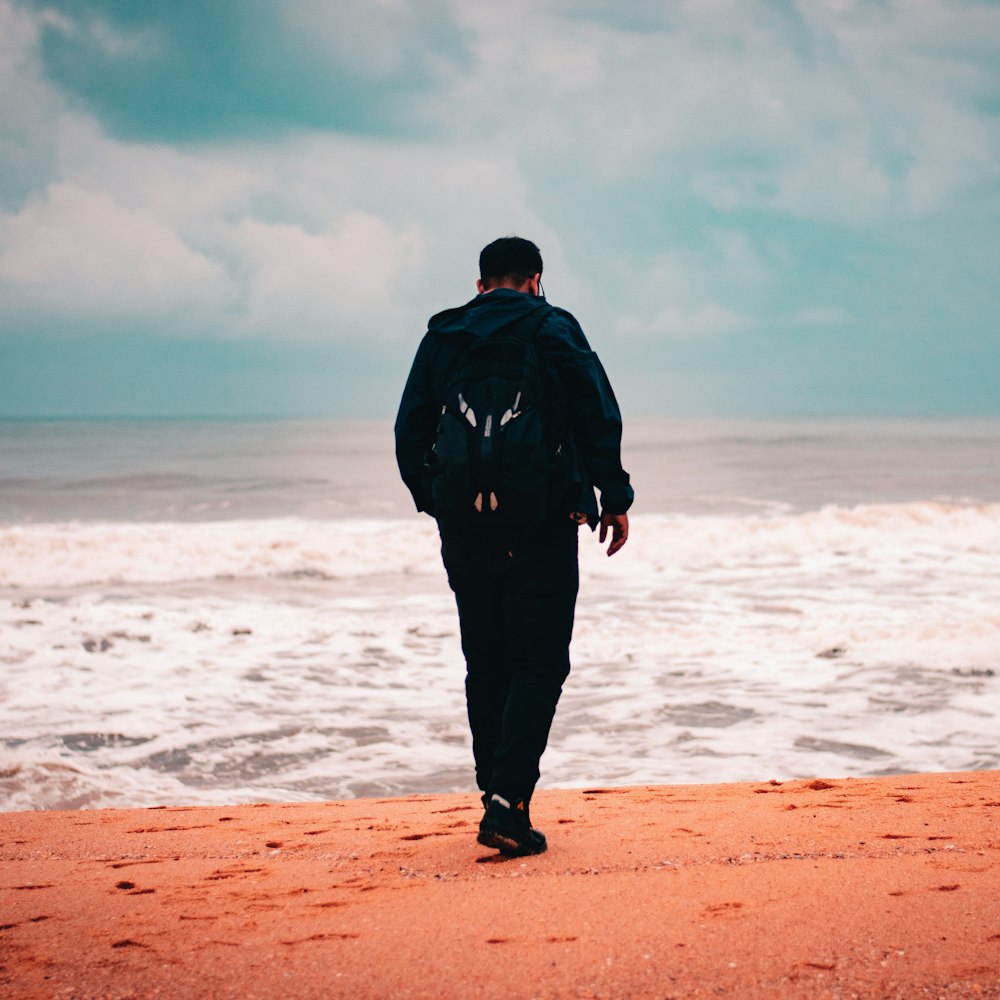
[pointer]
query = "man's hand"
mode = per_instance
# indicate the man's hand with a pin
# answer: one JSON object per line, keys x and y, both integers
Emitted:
{"x": 618, "y": 523}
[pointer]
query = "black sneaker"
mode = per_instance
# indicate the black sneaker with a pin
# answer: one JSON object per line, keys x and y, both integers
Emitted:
{"x": 508, "y": 829}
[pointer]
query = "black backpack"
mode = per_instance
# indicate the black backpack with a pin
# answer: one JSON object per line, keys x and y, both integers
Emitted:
{"x": 502, "y": 449}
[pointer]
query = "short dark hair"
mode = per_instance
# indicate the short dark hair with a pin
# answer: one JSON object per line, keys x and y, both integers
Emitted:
{"x": 509, "y": 260}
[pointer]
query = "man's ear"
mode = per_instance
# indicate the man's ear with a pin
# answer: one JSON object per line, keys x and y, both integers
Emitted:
{"x": 480, "y": 287}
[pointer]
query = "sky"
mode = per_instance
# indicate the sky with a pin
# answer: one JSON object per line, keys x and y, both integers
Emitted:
{"x": 768, "y": 208}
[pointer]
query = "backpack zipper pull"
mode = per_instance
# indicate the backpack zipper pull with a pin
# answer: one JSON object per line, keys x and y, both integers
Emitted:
{"x": 513, "y": 412}
{"x": 467, "y": 411}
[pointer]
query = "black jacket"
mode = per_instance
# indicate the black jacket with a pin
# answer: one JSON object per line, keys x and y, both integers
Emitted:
{"x": 594, "y": 414}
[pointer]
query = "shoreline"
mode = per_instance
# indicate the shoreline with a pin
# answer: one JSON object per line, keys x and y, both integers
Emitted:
{"x": 869, "y": 887}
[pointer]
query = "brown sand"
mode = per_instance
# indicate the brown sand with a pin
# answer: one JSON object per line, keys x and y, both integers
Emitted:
{"x": 886, "y": 887}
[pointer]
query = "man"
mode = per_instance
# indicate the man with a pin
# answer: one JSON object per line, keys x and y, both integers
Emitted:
{"x": 515, "y": 584}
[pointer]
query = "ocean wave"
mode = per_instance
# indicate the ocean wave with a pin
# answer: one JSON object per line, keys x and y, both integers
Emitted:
{"x": 276, "y": 660}
{"x": 78, "y": 554}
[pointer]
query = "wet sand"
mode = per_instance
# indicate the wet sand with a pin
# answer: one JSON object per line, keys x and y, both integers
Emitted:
{"x": 881, "y": 887}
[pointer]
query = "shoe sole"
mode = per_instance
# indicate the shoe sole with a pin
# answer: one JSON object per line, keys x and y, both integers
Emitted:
{"x": 507, "y": 846}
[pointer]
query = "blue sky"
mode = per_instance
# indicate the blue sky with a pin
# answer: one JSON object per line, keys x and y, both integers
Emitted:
{"x": 754, "y": 207}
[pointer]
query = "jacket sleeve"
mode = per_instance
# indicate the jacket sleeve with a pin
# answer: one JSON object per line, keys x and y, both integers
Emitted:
{"x": 597, "y": 420}
{"x": 415, "y": 425}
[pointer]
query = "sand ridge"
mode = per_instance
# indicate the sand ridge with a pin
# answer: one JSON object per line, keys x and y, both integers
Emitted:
{"x": 881, "y": 887}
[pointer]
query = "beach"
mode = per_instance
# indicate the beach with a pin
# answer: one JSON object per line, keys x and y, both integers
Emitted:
{"x": 857, "y": 887}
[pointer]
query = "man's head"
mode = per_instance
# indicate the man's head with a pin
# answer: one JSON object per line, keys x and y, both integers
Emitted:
{"x": 510, "y": 262}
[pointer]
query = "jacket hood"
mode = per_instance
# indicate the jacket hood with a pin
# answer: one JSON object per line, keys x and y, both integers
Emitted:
{"x": 486, "y": 314}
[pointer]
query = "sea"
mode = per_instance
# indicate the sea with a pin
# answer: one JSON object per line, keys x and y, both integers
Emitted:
{"x": 211, "y": 611}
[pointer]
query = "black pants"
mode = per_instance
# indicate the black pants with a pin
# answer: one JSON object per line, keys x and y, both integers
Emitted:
{"x": 516, "y": 594}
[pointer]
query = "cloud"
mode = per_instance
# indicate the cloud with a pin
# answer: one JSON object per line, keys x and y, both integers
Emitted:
{"x": 76, "y": 259}
{"x": 188, "y": 70}
{"x": 28, "y": 107}
{"x": 676, "y": 295}
{"x": 707, "y": 320}
{"x": 320, "y": 239}
{"x": 76, "y": 255}
{"x": 324, "y": 285}
{"x": 823, "y": 112}
{"x": 707, "y": 178}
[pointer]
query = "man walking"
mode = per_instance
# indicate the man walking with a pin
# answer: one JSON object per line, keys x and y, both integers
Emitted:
{"x": 514, "y": 575}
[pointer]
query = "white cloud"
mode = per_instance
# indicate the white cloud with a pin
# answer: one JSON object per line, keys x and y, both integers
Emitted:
{"x": 318, "y": 238}
{"x": 818, "y": 111}
{"x": 376, "y": 44}
{"x": 961, "y": 152}
{"x": 338, "y": 284}
{"x": 107, "y": 37}
{"x": 363, "y": 240}
{"x": 78, "y": 254}
{"x": 190, "y": 189}
{"x": 846, "y": 116}
{"x": 676, "y": 295}
{"x": 707, "y": 320}
{"x": 29, "y": 107}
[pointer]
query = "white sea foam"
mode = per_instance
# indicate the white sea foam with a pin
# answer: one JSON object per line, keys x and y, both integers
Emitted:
{"x": 283, "y": 659}
{"x": 94, "y": 554}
